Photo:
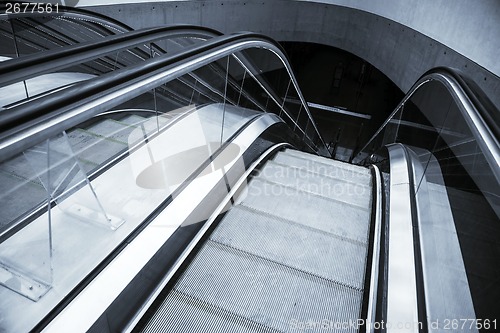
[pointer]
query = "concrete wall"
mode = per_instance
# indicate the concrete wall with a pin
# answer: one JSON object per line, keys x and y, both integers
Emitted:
{"x": 377, "y": 31}
{"x": 469, "y": 27}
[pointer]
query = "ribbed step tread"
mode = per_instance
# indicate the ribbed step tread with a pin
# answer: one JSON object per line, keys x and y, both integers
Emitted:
{"x": 133, "y": 120}
{"x": 311, "y": 210}
{"x": 352, "y": 175}
{"x": 109, "y": 128}
{"x": 18, "y": 197}
{"x": 33, "y": 163}
{"x": 263, "y": 291}
{"x": 285, "y": 255}
{"x": 354, "y": 194}
{"x": 293, "y": 245}
{"x": 195, "y": 316}
{"x": 20, "y": 168}
{"x": 93, "y": 148}
{"x": 331, "y": 162}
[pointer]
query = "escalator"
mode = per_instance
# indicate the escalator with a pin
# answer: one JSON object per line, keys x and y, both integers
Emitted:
{"x": 292, "y": 252}
{"x": 191, "y": 191}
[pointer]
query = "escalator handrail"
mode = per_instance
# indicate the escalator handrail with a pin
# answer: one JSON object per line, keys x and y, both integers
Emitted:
{"x": 473, "y": 111}
{"x": 375, "y": 286}
{"x": 41, "y": 119}
{"x": 487, "y": 110}
{"x": 403, "y": 284}
{"x": 19, "y": 69}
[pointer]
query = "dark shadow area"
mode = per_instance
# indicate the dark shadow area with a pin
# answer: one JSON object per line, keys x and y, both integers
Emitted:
{"x": 353, "y": 97}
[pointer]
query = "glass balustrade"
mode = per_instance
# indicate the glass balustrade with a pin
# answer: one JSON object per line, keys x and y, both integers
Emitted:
{"x": 60, "y": 78}
{"x": 70, "y": 201}
{"x": 460, "y": 164}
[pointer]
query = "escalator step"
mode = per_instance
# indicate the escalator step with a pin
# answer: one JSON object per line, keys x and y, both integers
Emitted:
{"x": 308, "y": 209}
{"x": 199, "y": 317}
{"x": 286, "y": 256}
{"x": 263, "y": 291}
{"x": 18, "y": 196}
{"x": 111, "y": 129}
{"x": 318, "y": 253}
{"x": 328, "y": 161}
{"x": 92, "y": 148}
{"x": 325, "y": 167}
{"x": 19, "y": 167}
{"x": 133, "y": 120}
{"x": 308, "y": 181}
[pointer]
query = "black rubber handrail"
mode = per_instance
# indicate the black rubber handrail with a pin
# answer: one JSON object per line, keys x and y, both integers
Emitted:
{"x": 483, "y": 107}
{"x": 46, "y": 107}
{"x": 19, "y": 69}
{"x": 46, "y": 111}
{"x": 487, "y": 110}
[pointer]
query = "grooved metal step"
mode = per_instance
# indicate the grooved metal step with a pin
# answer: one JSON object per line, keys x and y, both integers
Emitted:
{"x": 132, "y": 120}
{"x": 318, "y": 253}
{"x": 19, "y": 167}
{"x": 329, "y": 168}
{"x": 266, "y": 292}
{"x": 18, "y": 197}
{"x": 109, "y": 128}
{"x": 199, "y": 317}
{"x": 309, "y": 209}
{"x": 333, "y": 163}
{"x": 93, "y": 148}
{"x": 311, "y": 182}
{"x": 285, "y": 257}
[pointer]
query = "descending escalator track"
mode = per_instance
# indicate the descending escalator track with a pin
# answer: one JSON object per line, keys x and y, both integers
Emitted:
{"x": 292, "y": 253}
